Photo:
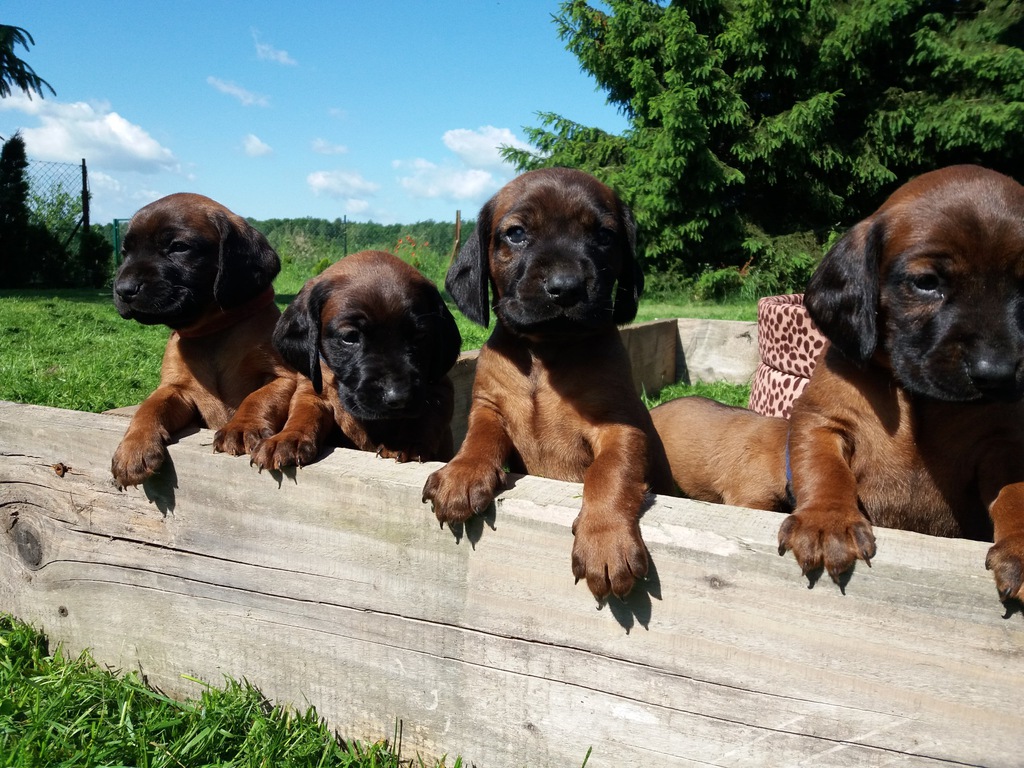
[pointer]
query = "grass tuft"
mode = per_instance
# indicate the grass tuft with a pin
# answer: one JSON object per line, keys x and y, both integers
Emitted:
{"x": 60, "y": 711}
{"x": 730, "y": 394}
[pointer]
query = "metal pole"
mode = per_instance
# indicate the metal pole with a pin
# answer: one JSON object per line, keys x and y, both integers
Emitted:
{"x": 83, "y": 241}
{"x": 85, "y": 196}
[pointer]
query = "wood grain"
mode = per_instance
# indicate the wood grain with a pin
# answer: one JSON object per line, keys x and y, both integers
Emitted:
{"x": 334, "y": 586}
{"x": 716, "y": 350}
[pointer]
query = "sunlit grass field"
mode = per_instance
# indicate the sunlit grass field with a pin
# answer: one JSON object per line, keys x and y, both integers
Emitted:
{"x": 70, "y": 348}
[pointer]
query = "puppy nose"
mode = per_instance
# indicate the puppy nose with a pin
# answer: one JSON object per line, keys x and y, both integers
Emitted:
{"x": 394, "y": 395}
{"x": 564, "y": 289}
{"x": 994, "y": 375}
{"x": 127, "y": 289}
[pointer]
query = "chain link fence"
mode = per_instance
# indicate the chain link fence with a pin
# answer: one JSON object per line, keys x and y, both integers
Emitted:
{"x": 56, "y": 247}
{"x": 59, "y": 199}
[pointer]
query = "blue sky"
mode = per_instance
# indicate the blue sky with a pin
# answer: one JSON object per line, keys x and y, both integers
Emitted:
{"x": 383, "y": 110}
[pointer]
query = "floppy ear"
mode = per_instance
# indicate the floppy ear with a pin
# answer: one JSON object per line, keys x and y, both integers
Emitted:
{"x": 297, "y": 334}
{"x": 246, "y": 265}
{"x": 447, "y": 341}
{"x": 842, "y": 294}
{"x": 469, "y": 275}
{"x": 631, "y": 277}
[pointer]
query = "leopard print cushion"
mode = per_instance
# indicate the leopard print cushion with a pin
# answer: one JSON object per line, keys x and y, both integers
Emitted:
{"x": 788, "y": 344}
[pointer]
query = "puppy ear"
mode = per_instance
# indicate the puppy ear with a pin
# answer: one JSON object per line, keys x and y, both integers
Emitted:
{"x": 842, "y": 294}
{"x": 297, "y": 334}
{"x": 246, "y": 266}
{"x": 631, "y": 277}
{"x": 469, "y": 274}
{"x": 447, "y": 342}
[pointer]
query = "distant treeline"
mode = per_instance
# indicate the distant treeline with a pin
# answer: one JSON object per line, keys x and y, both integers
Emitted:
{"x": 316, "y": 239}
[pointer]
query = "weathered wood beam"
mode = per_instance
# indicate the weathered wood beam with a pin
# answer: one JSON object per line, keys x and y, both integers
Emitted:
{"x": 334, "y": 586}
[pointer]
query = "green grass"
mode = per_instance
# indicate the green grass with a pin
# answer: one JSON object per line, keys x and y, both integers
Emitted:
{"x": 730, "y": 394}
{"x": 59, "y": 711}
{"x": 68, "y": 348}
{"x": 731, "y": 310}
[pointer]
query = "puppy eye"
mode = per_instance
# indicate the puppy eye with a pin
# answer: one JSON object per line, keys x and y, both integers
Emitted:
{"x": 927, "y": 283}
{"x": 605, "y": 236}
{"x": 515, "y": 235}
{"x": 177, "y": 246}
{"x": 350, "y": 336}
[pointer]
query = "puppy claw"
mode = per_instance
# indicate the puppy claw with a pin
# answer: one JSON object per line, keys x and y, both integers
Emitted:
{"x": 1006, "y": 561}
{"x": 829, "y": 539}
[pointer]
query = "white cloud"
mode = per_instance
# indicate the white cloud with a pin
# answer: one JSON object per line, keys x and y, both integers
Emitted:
{"x": 476, "y": 171}
{"x": 340, "y": 183}
{"x": 429, "y": 180}
{"x": 115, "y": 198}
{"x": 480, "y": 148}
{"x": 347, "y": 186}
{"x": 254, "y": 147}
{"x": 247, "y": 98}
{"x": 324, "y": 147}
{"x": 267, "y": 52}
{"x": 99, "y": 181}
{"x": 68, "y": 132}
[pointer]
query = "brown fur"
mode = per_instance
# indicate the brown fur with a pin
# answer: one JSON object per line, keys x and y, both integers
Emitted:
{"x": 191, "y": 264}
{"x": 553, "y": 394}
{"x": 384, "y": 390}
{"x": 913, "y": 418}
{"x": 723, "y": 454}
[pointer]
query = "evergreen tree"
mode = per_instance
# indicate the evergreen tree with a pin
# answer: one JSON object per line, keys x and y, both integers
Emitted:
{"x": 14, "y": 214}
{"x": 757, "y": 123}
{"x": 14, "y": 71}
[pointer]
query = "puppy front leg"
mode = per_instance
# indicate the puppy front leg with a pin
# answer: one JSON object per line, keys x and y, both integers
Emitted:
{"x": 261, "y": 414}
{"x": 467, "y": 484}
{"x": 608, "y": 550}
{"x": 1002, "y": 480}
{"x": 828, "y": 528}
{"x": 143, "y": 448}
{"x": 310, "y": 419}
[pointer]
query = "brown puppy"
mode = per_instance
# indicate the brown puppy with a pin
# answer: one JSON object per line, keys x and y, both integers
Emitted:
{"x": 375, "y": 342}
{"x": 553, "y": 394}
{"x": 913, "y": 418}
{"x": 193, "y": 265}
{"x": 723, "y": 454}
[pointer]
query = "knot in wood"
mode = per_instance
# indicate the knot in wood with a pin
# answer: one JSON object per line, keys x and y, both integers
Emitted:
{"x": 30, "y": 549}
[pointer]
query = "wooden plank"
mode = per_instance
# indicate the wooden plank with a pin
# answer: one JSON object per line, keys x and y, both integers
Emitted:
{"x": 716, "y": 350}
{"x": 334, "y": 586}
{"x": 652, "y": 349}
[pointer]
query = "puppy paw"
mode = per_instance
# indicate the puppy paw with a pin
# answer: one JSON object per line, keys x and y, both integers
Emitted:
{"x": 461, "y": 489}
{"x": 402, "y": 455}
{"x": 611, "y": 557}
{"x": 284, "y": 449}
{"x": 238, "y": 439}
{"x": 136, "y": 459}
{"x": 828, "y": 539}
{"x": 1006, "y": 561}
